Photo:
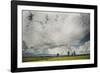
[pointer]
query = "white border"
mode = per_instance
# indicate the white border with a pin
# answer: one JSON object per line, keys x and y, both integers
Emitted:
{"x": 54, "y": 63}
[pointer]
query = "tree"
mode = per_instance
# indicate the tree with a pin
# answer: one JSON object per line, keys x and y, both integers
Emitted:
{"x": 68, "y": 53}
{"x": 74, "y": 53}
{"x": 57, "y": 54}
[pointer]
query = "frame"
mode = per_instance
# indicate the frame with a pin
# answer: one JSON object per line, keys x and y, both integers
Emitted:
{"x": 40, "y": 32}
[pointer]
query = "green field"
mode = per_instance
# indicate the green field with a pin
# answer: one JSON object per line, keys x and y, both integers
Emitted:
{"x": 56, "y": 58}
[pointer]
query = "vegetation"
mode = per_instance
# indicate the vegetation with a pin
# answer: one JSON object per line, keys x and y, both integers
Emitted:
{"x": 56, "y": 58}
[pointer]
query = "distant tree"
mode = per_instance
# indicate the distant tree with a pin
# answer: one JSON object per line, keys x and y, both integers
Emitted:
{"x": 74, "y": 53}
{"x": 68, "y": 53}
{"x": 57, "y": 54}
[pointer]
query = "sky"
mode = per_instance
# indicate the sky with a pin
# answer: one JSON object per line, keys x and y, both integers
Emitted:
{"x": 43, "y": 29}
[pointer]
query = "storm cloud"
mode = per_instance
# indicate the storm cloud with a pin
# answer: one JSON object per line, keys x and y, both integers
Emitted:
{"x": 43, "y": 29}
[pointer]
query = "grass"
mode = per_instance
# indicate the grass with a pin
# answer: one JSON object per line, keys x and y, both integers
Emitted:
{"x": 56, "y": 58}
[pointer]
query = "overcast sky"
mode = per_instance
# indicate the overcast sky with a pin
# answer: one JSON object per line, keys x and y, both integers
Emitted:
{"x": 55, "y": 28}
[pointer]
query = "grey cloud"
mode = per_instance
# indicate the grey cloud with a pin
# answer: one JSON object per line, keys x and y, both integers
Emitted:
{"x": 54, "y": 28}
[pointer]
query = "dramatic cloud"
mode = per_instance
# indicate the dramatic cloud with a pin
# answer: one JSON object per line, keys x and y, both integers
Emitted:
{"x": 62, "y": 50}
{"x": 48, "y": 30}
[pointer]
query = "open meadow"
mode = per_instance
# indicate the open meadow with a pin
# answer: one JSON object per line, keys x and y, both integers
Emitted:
{"x": 55, "y": 58}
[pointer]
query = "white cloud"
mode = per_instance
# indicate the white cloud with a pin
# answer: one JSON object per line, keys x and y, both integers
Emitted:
{"x": 85, "y": 48}
{"x": 61, "y": 50}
